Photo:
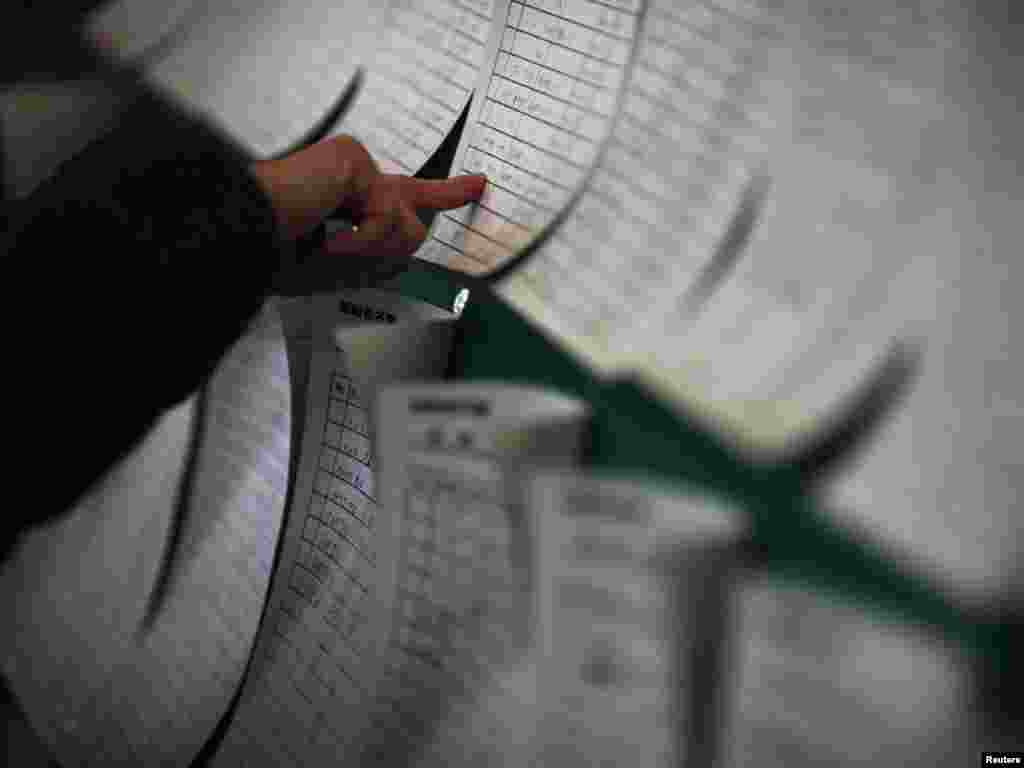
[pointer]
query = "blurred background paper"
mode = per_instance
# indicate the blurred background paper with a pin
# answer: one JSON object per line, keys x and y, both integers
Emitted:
{"x": 454, "y": 593}
{"x": 631, "y": 620}
{"x": 816, "y": 682}
{"x": 275, "y": 73}
{"x": 922, "y": 97}
{"x": 630, "y": 580}
{"x": 267, "y": 71}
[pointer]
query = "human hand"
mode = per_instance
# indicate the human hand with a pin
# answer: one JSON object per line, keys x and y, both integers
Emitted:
{"x": 307, "y": 186}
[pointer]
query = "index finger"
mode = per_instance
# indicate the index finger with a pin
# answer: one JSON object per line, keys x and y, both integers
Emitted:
{"x": 443, "y": 194}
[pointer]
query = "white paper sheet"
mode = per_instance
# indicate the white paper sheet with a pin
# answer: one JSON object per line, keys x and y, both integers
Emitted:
{"x": 458, "y": 554}
{"x": 942, "y": 481}
{"x": 798, "y": 323}
{"x": 544, "y": 107}
{"x": 420, "y": 77}
{"x": 314, "y": 666}
{"x": 817, "y": 683}
{"x": 620, "y": 568}
{"x": 267, "y": 71}
{"x": 663, "y": 192}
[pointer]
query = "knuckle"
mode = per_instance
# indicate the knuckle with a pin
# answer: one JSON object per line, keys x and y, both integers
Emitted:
{"x": 354, "y": 165}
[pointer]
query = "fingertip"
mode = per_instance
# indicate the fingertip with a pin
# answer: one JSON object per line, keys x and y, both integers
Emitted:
{"x": 443, "y": 194}
{"x": 479, "y": 185}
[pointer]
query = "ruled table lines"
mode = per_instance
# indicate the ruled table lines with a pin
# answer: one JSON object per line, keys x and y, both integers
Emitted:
{"x": 319, "y": 642}
{"x": 671, "y": 176}
{"x": 453, "y": 558}
{"x": 548, "y": 106}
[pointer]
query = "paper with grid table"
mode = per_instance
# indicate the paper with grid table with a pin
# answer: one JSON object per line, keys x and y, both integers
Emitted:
{"x": 381, "y": 589}
{"x": 313, "y": 659}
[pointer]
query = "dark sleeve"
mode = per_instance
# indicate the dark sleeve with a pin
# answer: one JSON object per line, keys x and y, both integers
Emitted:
{"x": 129, "y": 275}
